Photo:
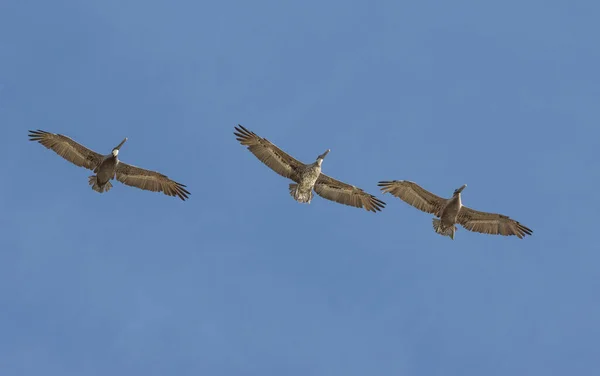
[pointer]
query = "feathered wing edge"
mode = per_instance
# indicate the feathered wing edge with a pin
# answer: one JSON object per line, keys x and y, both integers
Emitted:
{"x": 67, "y": 148}
{"x": 269, "y": 154}
{"x": 337, "y": 191}
{"x": 414, "y": 195}
{"x": 150, "y": 181}
{"x": 491, "y": 223}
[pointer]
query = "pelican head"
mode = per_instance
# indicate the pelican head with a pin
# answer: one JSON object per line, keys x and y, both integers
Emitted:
{"x": 322, "y": 156}
{"x": 458, "y": 190}
{"x": 115, "y": 150}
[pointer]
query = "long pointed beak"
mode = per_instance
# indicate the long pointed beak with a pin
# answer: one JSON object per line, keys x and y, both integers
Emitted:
{"x": 322, "y": 156}
{"x": 461, "y": 188}
{"x": 121, "y": 144}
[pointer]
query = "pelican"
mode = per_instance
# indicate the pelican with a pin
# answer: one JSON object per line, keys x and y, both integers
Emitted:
{"x": 106, "y": 167}
{"x": 451, "y": 211}
{"x": 306, "y": 176}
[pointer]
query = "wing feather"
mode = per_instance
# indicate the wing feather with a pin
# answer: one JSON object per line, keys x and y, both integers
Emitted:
{"x": 491, "y": 223}
{"x": 150, "y": 181}
{"x": 414, "y": 195}
{"x": 269, "y": 154}
{"x": 70, "y": 150}
{"x": 335, "y": 190}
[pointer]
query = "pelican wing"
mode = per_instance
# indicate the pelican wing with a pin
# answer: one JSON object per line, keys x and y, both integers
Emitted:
{"x": 67, "y": 148}
{"x": 150, "y": 181}
{"x": 269, "y": 154}
{"x": 491, "y": 223}
{"x": 414, "y": 195}
{"x": 346, "y": 194}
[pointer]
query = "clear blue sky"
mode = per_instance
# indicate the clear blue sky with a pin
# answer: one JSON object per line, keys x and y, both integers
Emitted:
{"x": 241, "y": 279}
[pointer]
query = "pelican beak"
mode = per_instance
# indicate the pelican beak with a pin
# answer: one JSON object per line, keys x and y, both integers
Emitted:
{"x": 121, "y": 144}
{"x": 322, "y": 156}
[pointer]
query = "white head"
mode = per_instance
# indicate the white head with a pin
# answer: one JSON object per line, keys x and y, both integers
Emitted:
{"x": 321, "y": 157}
{"x": 115, "y": 150}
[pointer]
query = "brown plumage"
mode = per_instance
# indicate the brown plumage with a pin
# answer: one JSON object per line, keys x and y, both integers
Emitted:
{"x": 346, "y": 194}
{"x": 269, "y": 154}
{"x": 414, "y": 195}
{"x": 491, "y": 223}
{"x": 307, "y": 176}
{"x": 108, "y": 166}
{"x": 68, "y": 149}
{"x": 451, "y": 211}
{"x": 150, "y": 180}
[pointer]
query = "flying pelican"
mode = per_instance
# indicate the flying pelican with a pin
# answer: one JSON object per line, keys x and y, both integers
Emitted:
{"x": 107, "y": 166}
{"x": 451, "y": 211}
{"x": 306, "y": 176}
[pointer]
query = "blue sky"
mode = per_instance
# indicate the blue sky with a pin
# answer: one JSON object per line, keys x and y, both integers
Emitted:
{"x": 241, "y": 279}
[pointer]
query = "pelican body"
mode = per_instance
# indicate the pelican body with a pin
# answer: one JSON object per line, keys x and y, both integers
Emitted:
{"x": 106, "y": 170}
{"x": 449, "y": 215}
{"x": 309, "y": 174}
{"x": 450, "y": 212}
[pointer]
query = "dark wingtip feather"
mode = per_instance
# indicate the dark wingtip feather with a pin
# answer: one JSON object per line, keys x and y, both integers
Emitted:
{"x": 181, "y": 192}
{"x": 242, "y": 132}
{"x": 243, "y": 135}
{"x": 385, "y": 184}
{"x": 35, "y": 135}
{"x": 379, "y": 201}
{"x": 244, "y": 129}
{"x": 376, "y": 204}
{"x": 524, "y": 229}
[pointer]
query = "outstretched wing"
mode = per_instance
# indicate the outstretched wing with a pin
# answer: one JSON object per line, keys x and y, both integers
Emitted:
{"x": 150, "y": 181}
{"x": 414, "y": 195}
{"x": 491, "y": 223}
{"x": 335, "y": 190}
{"x": 269, "y": 154}
{"x": 67, "y": 148}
